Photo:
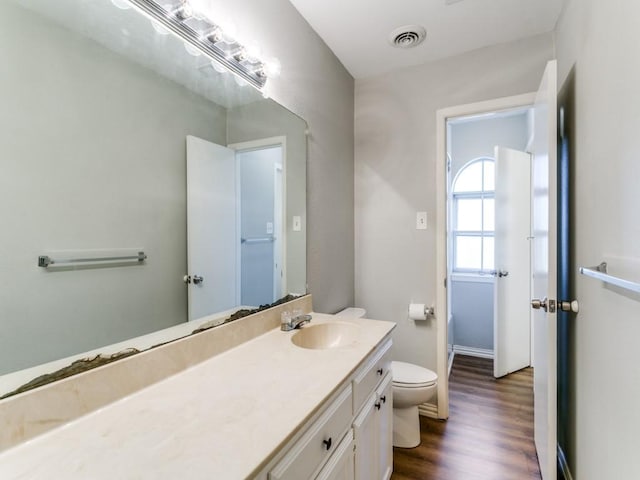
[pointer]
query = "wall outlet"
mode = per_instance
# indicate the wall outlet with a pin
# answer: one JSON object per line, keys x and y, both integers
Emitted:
{"x": 297, "y": 224}
{"x": 421, "y": 221}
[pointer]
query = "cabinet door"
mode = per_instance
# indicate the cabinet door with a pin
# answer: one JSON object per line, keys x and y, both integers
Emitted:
{"x": 365, "y": 431}
{"x": 341, "y": 464}
{"x": 384, "y": 434}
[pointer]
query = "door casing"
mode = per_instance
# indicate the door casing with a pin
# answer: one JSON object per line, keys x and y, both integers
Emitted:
{"x": 442, "y": 313}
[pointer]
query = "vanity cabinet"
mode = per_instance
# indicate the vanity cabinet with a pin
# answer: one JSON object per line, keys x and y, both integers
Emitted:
{"x": 373, "y": 434}
{"x": 352, "y": 436}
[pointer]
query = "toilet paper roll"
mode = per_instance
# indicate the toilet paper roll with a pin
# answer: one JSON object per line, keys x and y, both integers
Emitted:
{"x": 417, "y": 311}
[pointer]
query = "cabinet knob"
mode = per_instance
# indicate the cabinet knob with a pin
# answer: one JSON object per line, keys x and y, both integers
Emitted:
{"x": 377, "y": 405}
{"x": 380, "y": 371}
{"x": 327, "y": 443}
{"x": 383, "y": 399}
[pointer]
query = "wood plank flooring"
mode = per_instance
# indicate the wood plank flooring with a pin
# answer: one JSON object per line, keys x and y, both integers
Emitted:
{"x": 489, "y": 434}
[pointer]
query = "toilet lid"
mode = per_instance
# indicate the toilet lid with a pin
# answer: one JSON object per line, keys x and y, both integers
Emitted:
{"x": 408, "y": 375}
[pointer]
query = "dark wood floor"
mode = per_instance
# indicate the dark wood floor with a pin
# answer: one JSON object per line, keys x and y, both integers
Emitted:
{"x": 489, "y": 434}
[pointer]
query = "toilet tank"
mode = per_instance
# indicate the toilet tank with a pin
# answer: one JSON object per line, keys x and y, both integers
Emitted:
{"x": 352, "y": 312}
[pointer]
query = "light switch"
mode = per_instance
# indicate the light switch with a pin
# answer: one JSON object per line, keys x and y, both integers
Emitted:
{"x": 297, "y": 224}
{"x": 421, "y": 221}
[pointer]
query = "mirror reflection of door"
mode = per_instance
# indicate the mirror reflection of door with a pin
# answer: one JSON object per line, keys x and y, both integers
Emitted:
{"x": 235, "y": 205}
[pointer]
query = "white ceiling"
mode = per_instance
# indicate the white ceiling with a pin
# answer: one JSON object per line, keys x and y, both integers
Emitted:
{"x": 357, "y": 30}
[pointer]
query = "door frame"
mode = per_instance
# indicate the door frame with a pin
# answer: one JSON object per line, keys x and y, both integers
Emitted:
{"x": 442, "y": 115}
{"x": 258, "y": 144}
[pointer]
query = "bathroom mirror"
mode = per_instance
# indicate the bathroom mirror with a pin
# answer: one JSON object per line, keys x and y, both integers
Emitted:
{"x": 119, "y": 215}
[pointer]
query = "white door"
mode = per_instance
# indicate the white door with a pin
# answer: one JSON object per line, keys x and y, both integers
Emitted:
{"x": 211, "y": 227}
{"x": 512, "y": 289}
{"x": 544, "y": 213}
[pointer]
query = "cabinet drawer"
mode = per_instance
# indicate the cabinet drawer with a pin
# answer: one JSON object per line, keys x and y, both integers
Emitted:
{"x": 369, "y": 375}
{"x": 319, "y": 441}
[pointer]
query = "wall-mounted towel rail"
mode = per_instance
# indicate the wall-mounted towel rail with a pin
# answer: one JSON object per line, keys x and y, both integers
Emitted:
{"x": 46, "y": 260}
{"x": 258, "y": 240}
{"x": 600, "y": 272}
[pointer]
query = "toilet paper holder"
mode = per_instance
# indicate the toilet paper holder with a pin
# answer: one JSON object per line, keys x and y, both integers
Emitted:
{"x": 420, "y": 311}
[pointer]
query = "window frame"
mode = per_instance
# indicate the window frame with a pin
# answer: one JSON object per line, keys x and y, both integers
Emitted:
{"x": 481, "y": 195}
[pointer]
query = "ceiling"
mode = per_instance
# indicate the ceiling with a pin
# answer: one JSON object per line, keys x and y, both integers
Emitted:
{"x": 357, "y": 30}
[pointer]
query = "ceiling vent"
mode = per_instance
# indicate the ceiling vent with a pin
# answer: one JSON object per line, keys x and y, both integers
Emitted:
{"x": 408, "y": 36}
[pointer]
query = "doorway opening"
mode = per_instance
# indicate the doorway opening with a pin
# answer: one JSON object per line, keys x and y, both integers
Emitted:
{"x": 488, "y": 237}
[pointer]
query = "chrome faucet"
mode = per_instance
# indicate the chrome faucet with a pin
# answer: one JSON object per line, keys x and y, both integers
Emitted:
{"x": 295, "y": 322}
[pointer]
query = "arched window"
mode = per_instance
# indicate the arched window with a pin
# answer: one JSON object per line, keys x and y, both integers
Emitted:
{"x": 472, "y": 217}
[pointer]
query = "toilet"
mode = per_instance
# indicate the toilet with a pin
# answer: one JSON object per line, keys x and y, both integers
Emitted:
{"x": 412, "y": 386}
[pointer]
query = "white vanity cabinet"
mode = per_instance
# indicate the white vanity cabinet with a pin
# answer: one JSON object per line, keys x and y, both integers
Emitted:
{"x": 351, "y": 437}
{"x": 373, "y": 434}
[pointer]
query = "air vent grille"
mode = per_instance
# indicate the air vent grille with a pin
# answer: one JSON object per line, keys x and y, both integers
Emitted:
{"x": 408, "y": 36}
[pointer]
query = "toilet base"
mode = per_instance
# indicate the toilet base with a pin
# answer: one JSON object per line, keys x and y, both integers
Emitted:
{"x": 406, "y": 427}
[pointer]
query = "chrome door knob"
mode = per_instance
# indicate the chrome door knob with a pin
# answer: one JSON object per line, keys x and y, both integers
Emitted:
{"x": 503, "y": 273}
{"x": 197, "y": 279}
{"x": 572, "y": 306}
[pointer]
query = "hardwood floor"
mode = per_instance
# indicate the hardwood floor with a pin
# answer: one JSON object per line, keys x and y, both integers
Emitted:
{"x": 489, "y": 434}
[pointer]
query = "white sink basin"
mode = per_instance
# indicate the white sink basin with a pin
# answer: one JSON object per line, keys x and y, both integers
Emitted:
{"x": 325, "y": 335}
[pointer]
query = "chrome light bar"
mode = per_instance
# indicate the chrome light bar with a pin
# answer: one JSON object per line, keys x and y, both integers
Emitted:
{"x": 207, "y": 37}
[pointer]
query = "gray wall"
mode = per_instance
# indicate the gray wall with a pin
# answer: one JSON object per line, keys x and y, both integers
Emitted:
{"x": 395, "y": 170}
{"x": 67, "y": 100}
{"x": 472, "y": 301}
{"x": 599, "y": 40}
{"x": 473, "y": 139}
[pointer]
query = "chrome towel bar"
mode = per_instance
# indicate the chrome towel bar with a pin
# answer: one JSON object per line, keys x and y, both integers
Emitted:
{"x": 258, "y": 240}
{"x": 600, "y": 272}
{"x": 46, "y": 261}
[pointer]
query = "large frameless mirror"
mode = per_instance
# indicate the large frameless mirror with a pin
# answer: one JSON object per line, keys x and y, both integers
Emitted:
{"x": 143, "y": 187}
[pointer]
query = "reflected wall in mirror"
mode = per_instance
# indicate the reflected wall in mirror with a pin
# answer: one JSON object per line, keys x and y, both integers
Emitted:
{"x": 98, "y": 107}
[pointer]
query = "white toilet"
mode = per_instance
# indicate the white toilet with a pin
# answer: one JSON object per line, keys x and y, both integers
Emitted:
{"x": 412, "y": 385}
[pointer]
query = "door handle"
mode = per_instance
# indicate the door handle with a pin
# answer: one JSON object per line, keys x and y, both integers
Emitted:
{"x": 197, "y": 279}
{"x": 499, "y": 273}
{"x": 567, "y": 306}
{"x": 544, "y": 304}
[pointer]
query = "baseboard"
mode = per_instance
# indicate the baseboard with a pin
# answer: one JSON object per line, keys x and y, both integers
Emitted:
{"x": 450, "y": 365}
{"x": 473, "y": 352}
{"x": 428, "y": 410}
{"x": 563, "y": 466}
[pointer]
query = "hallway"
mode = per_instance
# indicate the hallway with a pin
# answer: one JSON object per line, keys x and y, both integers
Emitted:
{"x": 489, "y": 434}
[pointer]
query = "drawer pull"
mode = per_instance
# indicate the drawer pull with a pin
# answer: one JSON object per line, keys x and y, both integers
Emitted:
{"x": 380, "y": 371}
{"x": 383, "y": 398}
{"x": 327, "y": 443}
{"x": 377, "y": 405}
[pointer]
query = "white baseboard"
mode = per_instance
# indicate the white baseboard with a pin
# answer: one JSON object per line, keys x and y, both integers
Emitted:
{"x": 428, "y": 410}
{"x": 473, "y": 352}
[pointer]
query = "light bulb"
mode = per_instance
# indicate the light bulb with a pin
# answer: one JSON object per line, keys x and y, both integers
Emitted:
{"x": 159, "y": 28}
{"x": 253, "y": 53}
{"x": 191, "y": 50}
{"x": 218, "y": 67}
{"x": 272, "y": 68}
{"x": 229, "y": 32}
{"x": 240, "y": 81}
{"x": 121, "y": 4}
{"x": 214, "y": 35}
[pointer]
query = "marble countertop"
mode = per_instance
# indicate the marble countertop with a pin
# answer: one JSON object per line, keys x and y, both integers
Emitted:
{"x": 224, "y": 418}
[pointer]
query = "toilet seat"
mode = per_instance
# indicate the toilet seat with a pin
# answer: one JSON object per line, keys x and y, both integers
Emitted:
{"x": 407, "y": 375}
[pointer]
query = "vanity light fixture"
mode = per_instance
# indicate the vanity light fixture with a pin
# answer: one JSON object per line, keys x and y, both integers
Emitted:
{"x": 204, "y": 36}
